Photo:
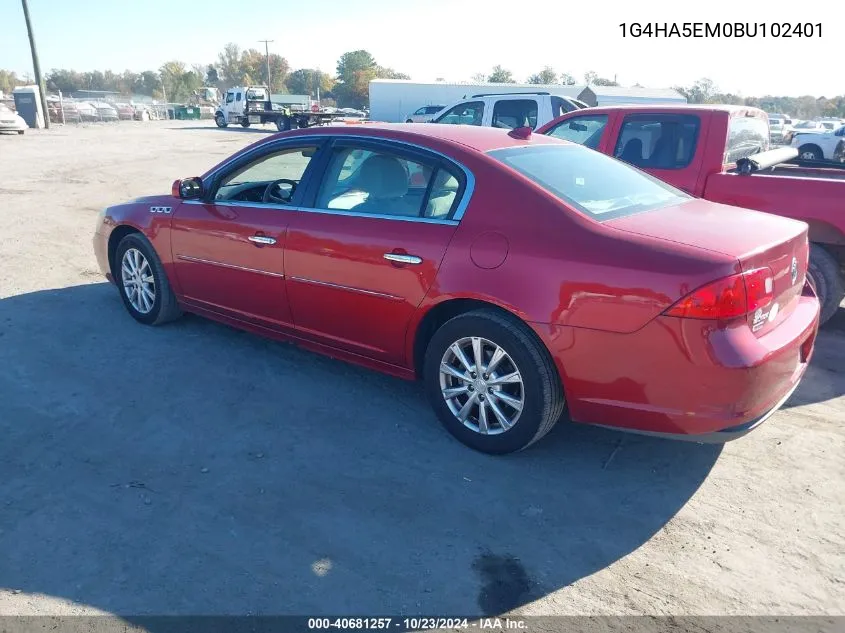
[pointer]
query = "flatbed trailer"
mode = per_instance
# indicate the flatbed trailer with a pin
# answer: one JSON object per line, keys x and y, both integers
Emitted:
{"x": 247, "y": 105}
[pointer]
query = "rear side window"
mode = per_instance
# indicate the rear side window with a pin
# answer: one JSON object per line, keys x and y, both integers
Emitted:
{"x": 747, "y": 135}
{"x": 471, "y": 113}
{"x": 594, "y": 184}
{"x": 658, "y": 141}
{"x": 585, "y": 130}
{"x": 514, "y": 113}
{"x": 562, "y": 106}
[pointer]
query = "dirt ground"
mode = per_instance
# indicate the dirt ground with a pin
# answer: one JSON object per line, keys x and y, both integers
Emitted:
{"x": 195, "y": 469}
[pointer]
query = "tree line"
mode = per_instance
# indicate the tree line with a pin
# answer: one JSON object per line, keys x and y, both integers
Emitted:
{"x": 348, "y": 86}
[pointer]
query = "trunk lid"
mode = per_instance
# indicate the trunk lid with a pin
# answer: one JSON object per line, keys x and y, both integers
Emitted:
{"x": 754, "y": 238}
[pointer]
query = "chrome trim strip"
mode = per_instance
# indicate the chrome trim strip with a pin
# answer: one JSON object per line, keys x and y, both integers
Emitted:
{"x": 469, "y": 188}
{"x": 349, "y": 288}
{"x": 197, "y": 260}
{"x": 376, "y": 216}
{"x": 402, "y": 259}
{"x": 261, "y": 239}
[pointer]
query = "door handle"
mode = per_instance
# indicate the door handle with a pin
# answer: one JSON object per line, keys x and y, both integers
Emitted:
{"x": 262, "y": 239}
{"x": 403, "y": 259}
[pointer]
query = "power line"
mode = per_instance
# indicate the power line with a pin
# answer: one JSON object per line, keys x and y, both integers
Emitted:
{"x": 267, "y": 52}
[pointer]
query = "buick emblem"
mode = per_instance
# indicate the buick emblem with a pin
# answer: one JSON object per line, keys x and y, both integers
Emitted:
{"x": 794, "y": 270}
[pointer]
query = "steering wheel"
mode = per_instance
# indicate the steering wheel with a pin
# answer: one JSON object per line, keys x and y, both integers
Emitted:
{"x": 271, "y": 192}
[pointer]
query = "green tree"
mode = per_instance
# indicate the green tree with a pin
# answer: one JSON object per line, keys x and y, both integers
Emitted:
{"x": 702, "y": 91}
{"x": 355, "y": 71}
{"x": 545, "y": 76}
{"x": 305, "y": 81}
{"x": 9, "y": 80}
{"x": 211, "y": 76}
{"x": 353, "y": 63}
{"x": 566, "y": 79}
{"x": 500, "y": 76}
{"x": 591, "y": 78}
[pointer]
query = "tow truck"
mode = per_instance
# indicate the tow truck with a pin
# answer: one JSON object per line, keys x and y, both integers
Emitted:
{"x": 246, "y": 105}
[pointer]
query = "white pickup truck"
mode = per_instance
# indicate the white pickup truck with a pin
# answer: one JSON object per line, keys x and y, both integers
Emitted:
{"x": 827, "y": 145}
{"x": 509, "y": 110}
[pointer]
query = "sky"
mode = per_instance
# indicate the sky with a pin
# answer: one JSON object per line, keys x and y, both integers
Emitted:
{"x": 453, "y": 39}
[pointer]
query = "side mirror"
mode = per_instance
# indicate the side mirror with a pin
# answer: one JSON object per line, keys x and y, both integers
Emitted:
{"x": 187, "y": 188}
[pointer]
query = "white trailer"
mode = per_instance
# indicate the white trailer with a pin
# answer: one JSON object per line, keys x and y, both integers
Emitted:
{"x": 393, "y": 100}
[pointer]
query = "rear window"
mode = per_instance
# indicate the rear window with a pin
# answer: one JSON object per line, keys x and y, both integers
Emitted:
{"x": 747, "y": 135}
{"x": 598, "y": 186}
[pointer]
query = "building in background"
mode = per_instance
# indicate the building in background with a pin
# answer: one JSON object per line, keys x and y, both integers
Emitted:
{"x": 393, "y": 100}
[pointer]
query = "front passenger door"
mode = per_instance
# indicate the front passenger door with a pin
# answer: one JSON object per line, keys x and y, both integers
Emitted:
{"x": 228, "y": 247}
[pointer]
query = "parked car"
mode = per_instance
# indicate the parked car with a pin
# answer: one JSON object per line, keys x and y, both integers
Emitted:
{"x": 125, "y": 111}
{"x": 424, "y": 114}
{"x": 105, "y": 112}
{"x": 699, "y": 148}
{"x": 777, "y": 129}
{"x": 824, "y": 146}
{"x": 520, "y": 275}
{"x": 508, "y": 111}
{"x": 11, "y": 121}
{"x": 87, "y": 111}
{"x": 831, "y": 124}
{"x": 63, "y": 112}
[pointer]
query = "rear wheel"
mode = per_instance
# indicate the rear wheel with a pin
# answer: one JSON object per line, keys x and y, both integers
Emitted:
{"x": 826, "y": 274}
{"x": 491, "y": 383}
{"x": 244, "y": 122}
{"x": 143, "y": 285}
{"x": 20, "y": 131}
{"x": 283, "y": 124}
{"x": 810, "y": 152}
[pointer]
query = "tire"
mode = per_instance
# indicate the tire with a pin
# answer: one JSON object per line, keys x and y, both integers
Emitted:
{"x": 283, "y": 124}
{"x": 164, "y": 307}
{"x": 220, "y": 120}
{"x": 20, "y": 132}
{"x": 810, "y": 152}
{"x": 245, "y": 123}
{"x": 409, "y": 121}
{"x": 826, "y": 274}
{"x": 541, "y": 388}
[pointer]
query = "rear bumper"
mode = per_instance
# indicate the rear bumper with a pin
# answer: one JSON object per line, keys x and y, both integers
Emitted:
{"x": 684, "y": 378}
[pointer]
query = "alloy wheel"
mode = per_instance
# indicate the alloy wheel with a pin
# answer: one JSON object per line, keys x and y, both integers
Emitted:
{"x": 482, "y": 385}
{"x": 138, "y": 281}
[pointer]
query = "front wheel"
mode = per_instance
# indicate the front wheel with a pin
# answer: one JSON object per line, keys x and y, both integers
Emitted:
{"x": 810, "y": 152}
{"x": 826, "y": 275}
{"x": 492, "y": 384}
{"x": 143, "y": 285}
{"x": 220, "y": 120}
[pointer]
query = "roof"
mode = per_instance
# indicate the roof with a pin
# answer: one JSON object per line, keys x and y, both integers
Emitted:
{"x": 476, "y": 86}
{"x": 692, "y": 107}
{"x": 478, "y": 138}
{"x": 648, "y": 93}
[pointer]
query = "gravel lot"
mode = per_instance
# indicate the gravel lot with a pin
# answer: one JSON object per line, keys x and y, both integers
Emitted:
{"x": 197, "y": 469}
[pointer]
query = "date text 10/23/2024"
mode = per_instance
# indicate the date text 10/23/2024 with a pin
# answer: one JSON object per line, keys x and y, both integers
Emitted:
{"x": 721, "y": 29}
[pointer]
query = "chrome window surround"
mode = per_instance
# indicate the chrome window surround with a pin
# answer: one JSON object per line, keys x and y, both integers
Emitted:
{"x": 469, "y": 186}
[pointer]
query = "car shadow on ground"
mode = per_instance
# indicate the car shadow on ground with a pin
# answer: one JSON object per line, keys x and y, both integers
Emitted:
{"x": 825, "y": 378}
{"x": 196, "y": 469}
{"x": 266, "y": 129}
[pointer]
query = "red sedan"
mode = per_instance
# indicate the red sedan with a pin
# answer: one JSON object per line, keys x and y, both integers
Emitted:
{"x": 515, "y": 274}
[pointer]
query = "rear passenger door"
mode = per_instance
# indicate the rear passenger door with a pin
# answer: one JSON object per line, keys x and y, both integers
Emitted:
{"x": 367, "y": 245}
{"x": 666, "y": 145}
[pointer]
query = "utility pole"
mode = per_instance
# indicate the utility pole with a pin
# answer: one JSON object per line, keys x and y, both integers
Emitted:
{"x": 267, "y": 52}
{"x": 36, "y": 66}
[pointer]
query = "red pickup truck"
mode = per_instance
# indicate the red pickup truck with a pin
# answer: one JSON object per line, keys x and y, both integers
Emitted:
{"x": 721, "y": 153}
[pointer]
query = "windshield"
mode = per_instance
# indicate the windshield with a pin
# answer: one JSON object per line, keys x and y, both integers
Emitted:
{"x": 598, "y": 186}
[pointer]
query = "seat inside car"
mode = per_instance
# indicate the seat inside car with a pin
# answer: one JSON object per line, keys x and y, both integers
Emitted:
{"x": 386, "y": 182}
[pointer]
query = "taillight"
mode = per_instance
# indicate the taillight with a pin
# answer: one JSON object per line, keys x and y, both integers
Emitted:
{"x": 727, "y": 298}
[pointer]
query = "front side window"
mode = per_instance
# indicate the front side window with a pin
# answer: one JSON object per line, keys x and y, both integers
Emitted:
{"x": 747, "y": 135}
{"x": 658, "y": 141}
{"x": 230, "y": 97}
{"x": 379, "y": 182}
{"x": 585, "y": 130}
{"x": 420, "y": 111}
{"x": 471, "y": 113}
{"x": 514, "y": 113}
{"x": 271, "y": 179}
{"x": 596, "y": 185}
